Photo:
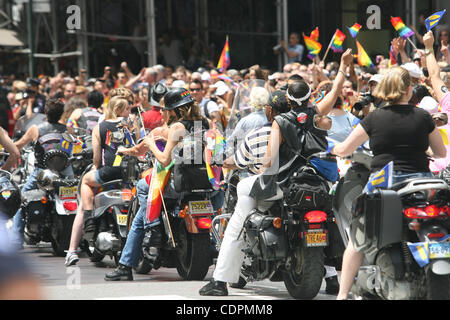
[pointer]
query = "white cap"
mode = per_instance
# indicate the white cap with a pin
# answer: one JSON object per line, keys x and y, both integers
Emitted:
{"x": 376, "y": 77}
{"x": 413, "y": 69}
{"x": 218, "y": 84}
{"x": 206, "y": 76}
{"x": 178, "y": 84}
{"x": 222, "y": 90}
{"x": 429, "y": 104}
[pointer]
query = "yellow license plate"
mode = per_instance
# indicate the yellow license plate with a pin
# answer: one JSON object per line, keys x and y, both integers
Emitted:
{"x": 122, "y": 219}
{"x": 316, "y": 238}
{"x": 200, "y": 207}
{"x": 68, "y": 192}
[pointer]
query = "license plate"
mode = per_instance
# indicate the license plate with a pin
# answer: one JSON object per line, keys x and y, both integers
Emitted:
{"x": 316, "y": 238}
{"x": 68, "y": 192}
{"x": 200, "y": 207}
{"x": 439, "y": 250}
{"x": 122, "y": 219}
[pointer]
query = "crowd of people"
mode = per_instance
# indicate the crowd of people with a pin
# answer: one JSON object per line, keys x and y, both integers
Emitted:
{"x": 343, "y": 92}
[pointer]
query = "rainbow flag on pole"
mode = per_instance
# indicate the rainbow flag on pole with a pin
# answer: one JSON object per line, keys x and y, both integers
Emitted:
{"x": 338, "y": 39}
{"x": 158, "y": 181}
{"x": 363, "y": 58}
{"x": 401, "y": 28}
{"x": 313, "y": 47}
{"x": 215, "y": 148}
{"x": 224, "y": 60}
{"x": 314, "y": 35}
{"x": 354, "y": 30}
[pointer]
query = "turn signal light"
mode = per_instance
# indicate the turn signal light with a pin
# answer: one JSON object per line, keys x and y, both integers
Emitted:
{"x": 431, "y": 211}
{"x": 44, "y": 200}
{"x": 277, "y": 223}
{"x": 183, "y": 212}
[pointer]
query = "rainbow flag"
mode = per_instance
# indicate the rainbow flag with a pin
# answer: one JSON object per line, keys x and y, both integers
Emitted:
{"x": 392, "y": 57}
{"x": 354, "y": 30}
{"x": 363, "y": 58}
{"x": 433, "y": 20}
{"x": 215, "y": 147}
{"x": 338, "y": 39}
{"x": 226, "y": 78}
{"x": 315, "y": 34}
{"x": 158, "y": 181}
{"x": 313, "y": 47}
{"x": 401, "y": 28}
{"x": 224, "y": 60}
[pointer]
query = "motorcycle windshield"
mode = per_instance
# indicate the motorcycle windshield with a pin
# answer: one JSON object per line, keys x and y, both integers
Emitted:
{"x": 25, "y": 122}
{"x": 241, "y": 108}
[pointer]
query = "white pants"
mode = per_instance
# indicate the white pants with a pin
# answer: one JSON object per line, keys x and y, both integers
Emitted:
{"x": 231, "y": 256}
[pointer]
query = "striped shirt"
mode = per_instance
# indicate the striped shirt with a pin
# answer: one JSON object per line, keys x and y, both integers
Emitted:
{"x": 253, "y": 149}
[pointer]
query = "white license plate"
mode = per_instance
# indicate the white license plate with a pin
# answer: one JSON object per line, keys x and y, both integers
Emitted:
{"x": 122, "y": 219}
{"x": 439, "y": 250}
{"x": 68, "y": 192}
{"x": 201, "y": 207}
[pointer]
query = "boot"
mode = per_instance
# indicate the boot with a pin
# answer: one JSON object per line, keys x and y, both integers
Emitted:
{"x": 89, "y": 226}
{"x": 153, "y": 237}
{"x": 214, "y": 288}
{"x": 122, "y": 272}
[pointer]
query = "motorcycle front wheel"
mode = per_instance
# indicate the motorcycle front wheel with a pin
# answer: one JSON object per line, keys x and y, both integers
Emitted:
{"x": 304, "y": 279}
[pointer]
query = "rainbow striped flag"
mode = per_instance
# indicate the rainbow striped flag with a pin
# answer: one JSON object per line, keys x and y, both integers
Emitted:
{"x": 338, "y": 39}
{"x": 313, "y": 47}
{"x": 392, "y": 57}
{"x": 363, "y": 58}
{"x": 314, "y": 35}
{"x": 158, "y": 181}
{"x": 354, "y": 30}
{"x": 401, "y": 28}
{"x": 215, "y": 146}
{"x": 224, "y": 60}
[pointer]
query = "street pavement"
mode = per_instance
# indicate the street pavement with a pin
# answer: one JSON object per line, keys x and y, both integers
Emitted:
{"x": 85, "y": 281}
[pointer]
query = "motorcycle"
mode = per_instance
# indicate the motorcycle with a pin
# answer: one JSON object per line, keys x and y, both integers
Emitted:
{"x": 82, "y": 153}
{"x": 285, "y": 237}
{"x": 49, "y": 211}
{"x": 110, "y": 213}
{"x": 402, "y": 231}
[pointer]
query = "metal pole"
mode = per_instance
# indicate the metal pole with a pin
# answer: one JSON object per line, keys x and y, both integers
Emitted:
{"x": 31, "y": 38}
{"x": 285, "y": 25}
{"x": 280, "y": 33}
{"x": 55, "y": 38}
{"x": 151, "y": 36}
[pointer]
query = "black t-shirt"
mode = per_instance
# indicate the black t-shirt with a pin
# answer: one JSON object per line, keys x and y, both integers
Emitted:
{"x": 399, "y": 133}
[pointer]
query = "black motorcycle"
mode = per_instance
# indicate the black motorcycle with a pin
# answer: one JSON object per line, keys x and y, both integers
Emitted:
{"x": 287, "y": 235}
{"x": 402, "y": 231}
{"x": 49, "y": 211}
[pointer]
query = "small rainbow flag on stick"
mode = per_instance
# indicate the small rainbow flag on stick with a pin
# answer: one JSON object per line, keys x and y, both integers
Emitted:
{"x": 338, "y": 39}
{"x": 363, "y": 58}
{"x": 401, "y": 28}
{"x": 224, "y": 60}
{"x": 354, "y": 30}
{"x": 313, "y": 47}
{"x": 315, "y": 34}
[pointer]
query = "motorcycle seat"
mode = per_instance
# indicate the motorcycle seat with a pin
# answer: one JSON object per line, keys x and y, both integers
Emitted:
{"x": 112, "y": 184}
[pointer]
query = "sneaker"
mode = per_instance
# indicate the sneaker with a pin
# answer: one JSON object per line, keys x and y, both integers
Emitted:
{"x": 332, "y": 285}
{"x": 71, "y": 258}
{"x": 121, "y": 273}
{"x": 214, "y": 288}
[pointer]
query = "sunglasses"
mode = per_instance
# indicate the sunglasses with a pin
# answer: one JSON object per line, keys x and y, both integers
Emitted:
{"x": 195, "y": 89}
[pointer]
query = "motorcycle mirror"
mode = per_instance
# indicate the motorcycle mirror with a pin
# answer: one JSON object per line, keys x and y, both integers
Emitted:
{"x": 322, "y": 122}
{"x": 68, "y": 137}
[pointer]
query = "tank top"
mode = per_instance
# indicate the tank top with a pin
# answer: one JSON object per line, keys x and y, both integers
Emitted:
{"x": 88, "y": 119}
{"x": 111, "y": 138}
{"x": 50, "y": 135}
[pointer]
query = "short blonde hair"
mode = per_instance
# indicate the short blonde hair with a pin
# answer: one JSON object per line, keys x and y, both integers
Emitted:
{"x": 115, "y": 106}
{"x": 122, "y": 92}
{"x": 393, "y": 86}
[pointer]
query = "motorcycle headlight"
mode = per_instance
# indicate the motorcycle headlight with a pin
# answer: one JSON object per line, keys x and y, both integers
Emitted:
{"x": 45, "y": 179}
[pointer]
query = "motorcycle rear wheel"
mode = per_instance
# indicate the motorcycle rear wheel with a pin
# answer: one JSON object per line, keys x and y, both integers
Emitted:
{"x": 193, "y": 258}
{"x": 304, "y": 279}
{"x": 61, "y": 234}
{"x": 438, "y": 286}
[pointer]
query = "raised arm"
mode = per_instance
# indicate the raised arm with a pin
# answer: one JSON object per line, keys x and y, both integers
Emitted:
{"x": 438, "y": 85}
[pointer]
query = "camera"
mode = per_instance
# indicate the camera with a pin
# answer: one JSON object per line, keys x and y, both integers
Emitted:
{"x": 367, "y": 99}
{"x": 213, "y": 97}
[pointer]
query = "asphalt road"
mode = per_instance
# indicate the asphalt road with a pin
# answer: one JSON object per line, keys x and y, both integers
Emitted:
{"x": 85, "y": 281}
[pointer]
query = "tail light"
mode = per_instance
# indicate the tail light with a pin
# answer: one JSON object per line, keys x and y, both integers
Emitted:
{"x": 203, "y": 223}
{"x": 70, "y": 205}
{"x": 431, "y": 211}
{"x": 316, "y": 216}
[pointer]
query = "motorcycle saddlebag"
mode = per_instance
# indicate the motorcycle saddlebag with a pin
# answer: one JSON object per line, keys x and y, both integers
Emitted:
{"x": 263, "y": 240}
{"x": 377, "y": 220}
{"x": 191, "y": 177}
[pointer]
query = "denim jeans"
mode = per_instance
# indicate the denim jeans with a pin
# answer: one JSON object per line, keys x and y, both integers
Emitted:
{"x": 132, "y": 250}
{"x": 18, "y": 227}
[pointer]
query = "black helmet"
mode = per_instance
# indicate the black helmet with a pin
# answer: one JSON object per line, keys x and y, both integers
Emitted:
{"x": 278, "y": 101}
{"x": 9, "y": 195}
{"x": 157, "y": 92}
{"x": 176, "y": 98}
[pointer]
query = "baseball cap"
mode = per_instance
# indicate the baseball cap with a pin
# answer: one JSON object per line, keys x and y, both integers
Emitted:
{"x": 217, "y": 84}
{"x": 413, "y": 69}
{"x": 376, "y": 77}
{"x": 221, "y": 90}
{"x": 277, "y": 100}
{"x": 429, "y": 104}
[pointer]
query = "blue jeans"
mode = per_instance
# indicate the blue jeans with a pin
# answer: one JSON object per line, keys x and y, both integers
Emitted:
{"x": 18, "y": 222}
{"x": 132, "y": 250}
